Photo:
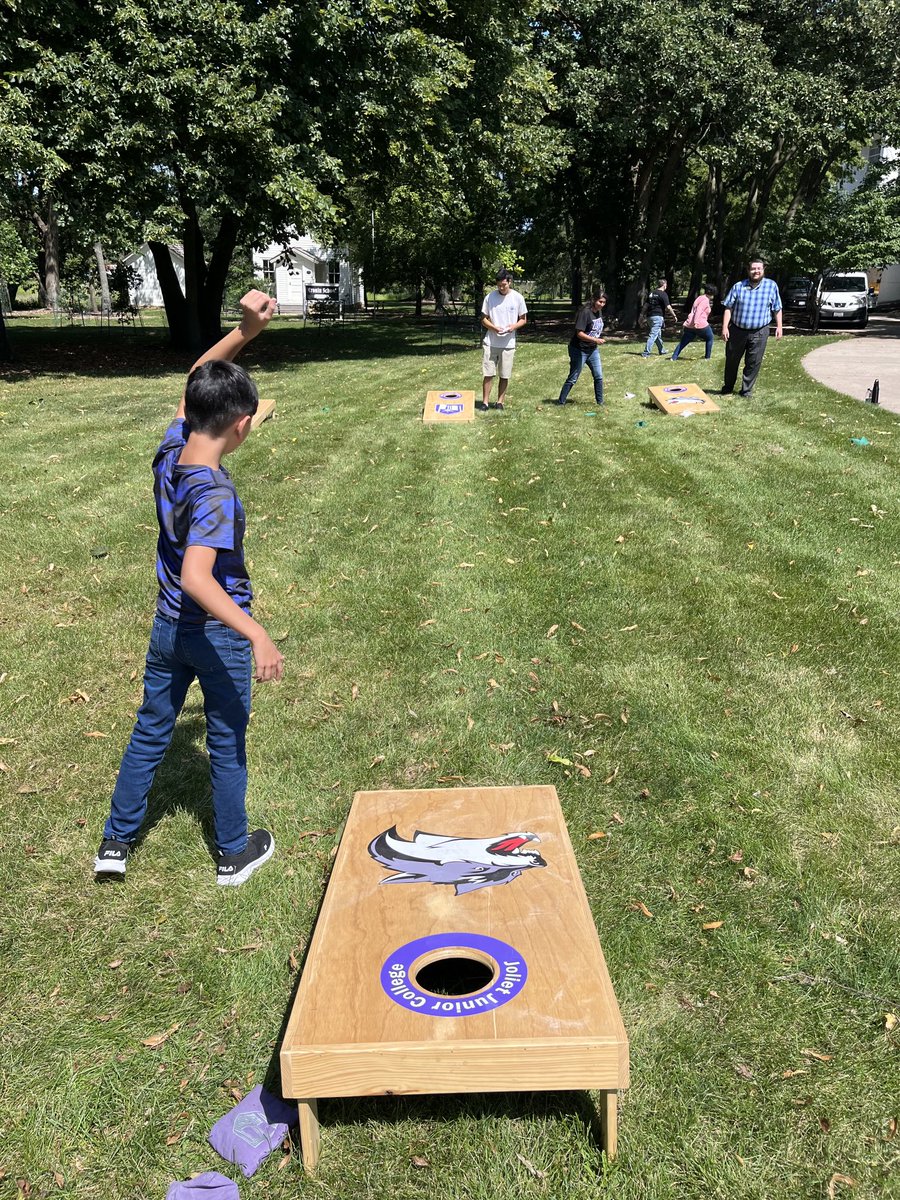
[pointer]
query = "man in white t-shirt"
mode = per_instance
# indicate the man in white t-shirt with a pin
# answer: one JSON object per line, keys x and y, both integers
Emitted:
{"x": 502, "y": 313}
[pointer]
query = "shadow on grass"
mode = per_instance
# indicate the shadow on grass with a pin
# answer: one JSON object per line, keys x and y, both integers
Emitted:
{"x": 182, "y": 781}
{"x": 41, "y": 353}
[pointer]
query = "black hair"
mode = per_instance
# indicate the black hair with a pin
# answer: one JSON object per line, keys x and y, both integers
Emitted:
{"x": 503, "y": 274}
{"x": 709, "y": 289}
{"x": 598, "y": 294}
{"x": 218, "y": 393}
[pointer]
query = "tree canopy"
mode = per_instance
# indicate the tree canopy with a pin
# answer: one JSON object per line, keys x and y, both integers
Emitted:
{"x": 437, "y": 137}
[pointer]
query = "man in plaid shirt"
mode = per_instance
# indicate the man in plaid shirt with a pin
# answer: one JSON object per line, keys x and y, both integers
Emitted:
{"x": 749, "y": 309}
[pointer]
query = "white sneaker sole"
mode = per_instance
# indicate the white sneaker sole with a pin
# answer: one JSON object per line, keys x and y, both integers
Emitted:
{"x": 106, "y": 866}
{"x": 244, "y": 874}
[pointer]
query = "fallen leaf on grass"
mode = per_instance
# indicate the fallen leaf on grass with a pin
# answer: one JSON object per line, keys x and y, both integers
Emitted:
{"x": 551, "y": 631}
{"x": 59, "y": 1179}
{"x": 593, "y": 837}
{"x": 617, "y": 817}
{"x": 492, "y": 683}
{"x": 891, "y": 1021}
{"x": 284, "y": 1160}
{"x": 611, "y": 777}
{"x": 713, "y": 924}
{"x": 419, "y": 1160}
{"x": 580, "y": 628}
{"x": 354, "y": 692}
{"x": 115, "y": 964}
{"x": 627, "y": 628}
{"x": 846, "y": 1180}
{"x": 158, "y": 1038}
{"x": 891, "y": 1130}
{"x": 817, "y": 1055}
{"x": 95, "y": 733}
{"x": 531, "y": 1168}
{"x": 791, "y": 1074}
{"x": 744, "y": 1071}
{"x": 639, "y": 906}
{"x": 238, "y": 949}
{"x": 824, "y": 1124}
{"x": 558, "y": 758}
{"x": 379, "y": 758}
{"x": 173, "y": 1138}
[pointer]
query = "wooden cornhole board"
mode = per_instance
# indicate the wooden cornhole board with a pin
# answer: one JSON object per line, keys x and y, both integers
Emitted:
{"x": 679, "y": 398}
{"x": 435, "y": 892}
{"x": 450, "y": 407}
{"x": 264, "y": 410}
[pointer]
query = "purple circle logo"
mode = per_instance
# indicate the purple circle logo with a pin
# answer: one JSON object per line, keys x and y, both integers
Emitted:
{"x": 675, "y": 389}
{"x": 504, "y": 969}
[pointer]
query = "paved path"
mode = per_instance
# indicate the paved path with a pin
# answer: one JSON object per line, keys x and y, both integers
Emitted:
{"x": 851, "y": 365}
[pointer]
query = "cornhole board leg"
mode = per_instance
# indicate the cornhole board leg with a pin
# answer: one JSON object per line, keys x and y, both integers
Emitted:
{"x": 609, "y": 1122}
{"x": 264, "y": 410}
{"x": 309, "y": 1133}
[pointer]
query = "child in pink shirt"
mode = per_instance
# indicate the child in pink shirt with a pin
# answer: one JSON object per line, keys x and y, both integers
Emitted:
{"x": 697, "y": 324}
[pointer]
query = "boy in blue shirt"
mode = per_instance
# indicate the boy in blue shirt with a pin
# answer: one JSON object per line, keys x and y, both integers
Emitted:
{"x": 203, "y": 628}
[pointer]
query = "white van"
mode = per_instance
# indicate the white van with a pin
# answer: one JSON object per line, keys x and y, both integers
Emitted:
{"x": 843, "y": 297}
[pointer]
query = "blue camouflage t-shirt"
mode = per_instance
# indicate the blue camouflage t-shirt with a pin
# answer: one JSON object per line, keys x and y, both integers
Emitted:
{"x": 196, "y": 506}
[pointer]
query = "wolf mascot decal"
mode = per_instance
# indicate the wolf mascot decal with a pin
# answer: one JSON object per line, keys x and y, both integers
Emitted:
{"x": 466, "y": 863}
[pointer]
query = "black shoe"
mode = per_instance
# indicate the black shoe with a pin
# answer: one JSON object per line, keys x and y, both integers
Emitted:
{"x": 499, "y": 406}
{"x": 481, "y": 406}
{"x": 234, "y": 869}
{"x": 726, "y": 391}
{"x": 111, "y": 857}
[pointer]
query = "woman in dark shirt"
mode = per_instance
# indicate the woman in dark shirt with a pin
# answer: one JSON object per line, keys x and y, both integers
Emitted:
{"x": 584, "y": 348}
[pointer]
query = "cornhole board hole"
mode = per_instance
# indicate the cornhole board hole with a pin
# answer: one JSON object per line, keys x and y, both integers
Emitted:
{"x": 264, "y": 410}
{"x": 679, "y": 398}
{"x": 454, "y": 952}
{"x": 449, "y": 407}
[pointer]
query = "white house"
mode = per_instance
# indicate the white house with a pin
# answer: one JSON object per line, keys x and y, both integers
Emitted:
{"x": 301, "y": 264}
{"x": 148, "y": 293}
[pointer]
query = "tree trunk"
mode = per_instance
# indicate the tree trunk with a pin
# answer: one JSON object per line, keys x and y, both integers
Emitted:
{"x": 651, "y": 210}
{"x": 48, "y": 258}
{"x": 194, "y": 274}
{"x": 173, "y": 296}
{"x": 719, "y": 254}
{"x": 104, "y": 279}
{"x": 213, "y": 293}
{"x": 5, "y": 349}
{"x": 704, "y": 230}
{"x": 418, "y": 297}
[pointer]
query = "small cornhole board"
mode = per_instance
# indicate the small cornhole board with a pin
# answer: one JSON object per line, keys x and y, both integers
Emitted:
{"x": 679, "y": 398}
{"x": 455, "y": 951}
{"x": 449, "y": 407}
{"x": 264, "y": 410}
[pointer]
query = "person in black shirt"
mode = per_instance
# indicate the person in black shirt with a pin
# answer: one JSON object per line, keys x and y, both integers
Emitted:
{"x": 658, "y": 308}
{"x": 584, "y": 347}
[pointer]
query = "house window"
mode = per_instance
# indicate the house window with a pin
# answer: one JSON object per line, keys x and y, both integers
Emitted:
{"x": 334, "y": 271}
{"x": 269, "y": 270}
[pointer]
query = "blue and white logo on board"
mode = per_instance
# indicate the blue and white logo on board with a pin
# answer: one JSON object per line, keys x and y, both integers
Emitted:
{"x": 448, "y": 410}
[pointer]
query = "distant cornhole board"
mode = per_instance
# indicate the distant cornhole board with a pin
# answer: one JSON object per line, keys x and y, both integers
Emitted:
{"x": 454, "y": 954}
{"x": 264, "y": 410}
{"x": 452, "y": 407}
{"x": 679, "y": 398}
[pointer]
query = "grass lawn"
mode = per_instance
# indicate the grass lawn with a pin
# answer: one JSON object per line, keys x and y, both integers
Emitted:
{"x": 702, "y": 613}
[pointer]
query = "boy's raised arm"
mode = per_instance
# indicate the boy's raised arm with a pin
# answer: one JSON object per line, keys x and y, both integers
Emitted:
{"x": 257, "y": 310}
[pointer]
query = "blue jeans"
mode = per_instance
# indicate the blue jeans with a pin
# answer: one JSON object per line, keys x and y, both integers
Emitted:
{"x": 654, "y": 338}
{"x": 578, "y": 358}
{"x": 220, "y": 659}
{"x": 688, "y": 335}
